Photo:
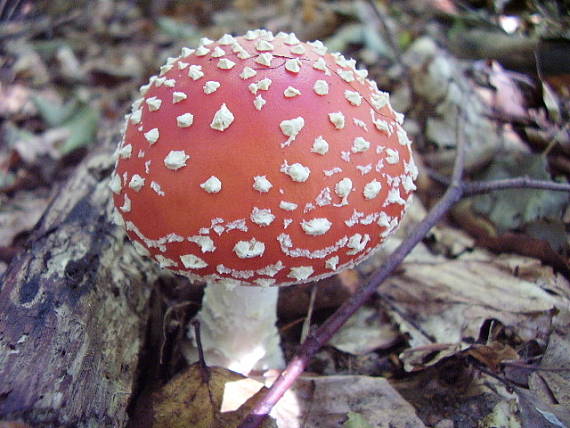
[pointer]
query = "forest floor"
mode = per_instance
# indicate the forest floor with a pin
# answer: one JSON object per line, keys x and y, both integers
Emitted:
{"x": 473, "y": 329}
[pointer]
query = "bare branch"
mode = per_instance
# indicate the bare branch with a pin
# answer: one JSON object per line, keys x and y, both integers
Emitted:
{"x": 479, "y": 187}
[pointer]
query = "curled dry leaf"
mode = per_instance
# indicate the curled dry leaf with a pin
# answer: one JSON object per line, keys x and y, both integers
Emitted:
{"x": 199, "y": 397}
{"x": 328, "y": 402}
{"x": 364, "y": 332}
{"x": 448, "y": 301}
{"x": 551, "y": 385}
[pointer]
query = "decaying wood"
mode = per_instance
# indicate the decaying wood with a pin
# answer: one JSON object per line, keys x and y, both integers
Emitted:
{"x": 73, "y": 310}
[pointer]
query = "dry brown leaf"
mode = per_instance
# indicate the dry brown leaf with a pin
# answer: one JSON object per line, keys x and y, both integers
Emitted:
{"x": 327, "y": 401}
{"x": 492, "y": 354}
{"x": 551, "y": 385}
{"x": 200, "y": 398}
{"x": 364, "y": 332}
{"x": 20, "y": 215}
{"x": 447, "y": 301}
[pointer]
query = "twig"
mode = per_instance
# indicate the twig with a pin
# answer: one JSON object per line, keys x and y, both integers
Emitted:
{"x": 478, "y": 187}
{"x": 323, "y": 334}
{"x": 472, "y": 188}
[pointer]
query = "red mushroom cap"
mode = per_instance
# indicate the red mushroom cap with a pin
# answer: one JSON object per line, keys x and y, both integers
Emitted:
{"x": 263, "y": 160}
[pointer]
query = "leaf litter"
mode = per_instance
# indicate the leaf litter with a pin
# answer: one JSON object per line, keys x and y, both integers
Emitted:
{"x": 452, "y": 320}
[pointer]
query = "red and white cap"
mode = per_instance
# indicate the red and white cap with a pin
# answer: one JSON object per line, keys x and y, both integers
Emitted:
{"x": 261, "y": 160}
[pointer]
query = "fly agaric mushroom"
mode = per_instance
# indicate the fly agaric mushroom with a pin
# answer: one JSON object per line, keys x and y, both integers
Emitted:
{"x": 257, "y": 161}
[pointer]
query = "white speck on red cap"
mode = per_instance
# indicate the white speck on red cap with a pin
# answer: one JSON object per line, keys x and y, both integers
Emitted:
{"x": 264, "y": 59}
{"x": 343, "y": 188}
{"x": 178, "y": 96}
{"x": 287, "y": 206}
{"x": 318, "y": 47}
{"x": 152, "y": 135}
{"x": 297, "y": 172}
{"x": 293, "y": 65}
{"x": 222, "y": 119}
{"x": 115, "y": 184}
{"x": 218, "y": 52}
{"x": 212, "y": 185}
{"x": 346, "y": 75}
{"x": 321, "y": 87}
{"x": 332, "y": 263}
{"x": 353, "y": 97}
{"x": 300, "y": 273}
{"x": 291, "y": 92}
{"x": 136, "y": 116}
{"x": 372, "y": 189}
{"x": 227, "y": 39}
{"x": 153, "y": 103}
{"x": 249, "y": 249}
{"x": 320, "y": 146}
{"x": 156, "y": 187}
{"x": 126, "y": 207}
{"x": 185, "y": 120}
{"x": 259, "y": 102}
{"x": 291, "y": 39}
{"x": 205, "y": 242}
{"x": 195, "y": 72}
{"x": 226, "y": 64}
{"x": 190, "y": 261}
{"x": 263, "y": 45}
{"x": 210, "y": 87}
{"x": 262, "y": 217}
{"x": 360, "y": 145}
{"x": 392, "y": 156}
{"x": 261, "y": 184}
{"x": 126, "y": 151}
{"x": 298, "y": 50}
{"x": 291, "y": 128}
{"x": 316, "y": 226}
{"x": 185, "y": 52}
{"x": 357, "y": 243}
{"x": 337, "y": 119}
{"x": 202, "y": 51}
{"x": 247, "y": 73}
{"x": 176, "y": 159}
{"x": 136, "y": 183}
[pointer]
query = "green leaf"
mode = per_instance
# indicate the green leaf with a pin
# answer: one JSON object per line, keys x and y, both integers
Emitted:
{"x": 82, "y": 127}
{"x": 52, "y": 113}
{"x": 515, "y": 208}
{"x": 356, "y": 420}
{"x": 177, "y": 29}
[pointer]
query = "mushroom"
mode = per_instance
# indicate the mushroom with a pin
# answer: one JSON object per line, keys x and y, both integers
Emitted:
{"x": 258, "y": 161}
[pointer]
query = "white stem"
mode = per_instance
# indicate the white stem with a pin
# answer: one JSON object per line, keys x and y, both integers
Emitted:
{"x": 238, "y": 328}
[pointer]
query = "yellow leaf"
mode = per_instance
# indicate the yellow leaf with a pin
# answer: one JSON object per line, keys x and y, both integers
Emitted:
{"x": 194, "y": 398}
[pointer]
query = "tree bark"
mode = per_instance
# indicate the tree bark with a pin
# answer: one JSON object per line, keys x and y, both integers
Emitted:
{"x": 73, "y": 308}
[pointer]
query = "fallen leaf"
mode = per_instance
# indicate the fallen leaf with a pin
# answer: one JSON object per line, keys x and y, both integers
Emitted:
{"x": 20, "y": 215}
{"x": 356, "y": 420}
{"x": 200, "y": 398}
{"x": 514, "y": 208}
{"x": 326, "y": 402}
{"x": 364, "y": 332}
{"x": 448, "y": 301}
{"x": 492, "y": 354}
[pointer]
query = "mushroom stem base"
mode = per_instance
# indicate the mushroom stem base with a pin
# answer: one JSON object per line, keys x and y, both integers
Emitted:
{"x": 238, "y": 329}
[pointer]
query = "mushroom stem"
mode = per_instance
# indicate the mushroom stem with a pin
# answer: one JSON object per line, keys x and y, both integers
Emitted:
{"x": 238, "y": 328}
